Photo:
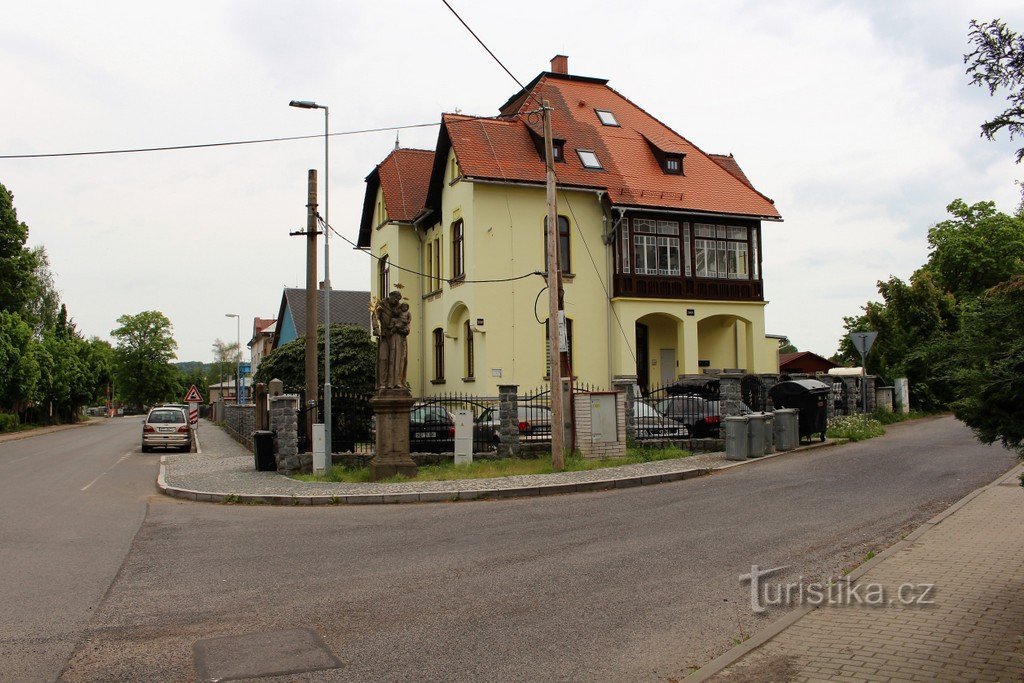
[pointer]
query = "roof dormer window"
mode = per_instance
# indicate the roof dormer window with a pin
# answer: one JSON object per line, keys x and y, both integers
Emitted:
{"x": 673, "y": 164}
{"x": 589, "y": 159}
{"x": 607, "y": 118}
{"x": 558, "y": 150}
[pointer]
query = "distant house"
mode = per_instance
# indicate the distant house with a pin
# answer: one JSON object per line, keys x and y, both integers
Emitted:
{"x": 347, "y": 308}
{"x": 804, "y": 362}
{"x": 262, "y": 340}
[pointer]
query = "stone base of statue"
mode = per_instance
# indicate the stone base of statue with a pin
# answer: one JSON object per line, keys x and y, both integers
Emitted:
{"x": 391, "y": 408}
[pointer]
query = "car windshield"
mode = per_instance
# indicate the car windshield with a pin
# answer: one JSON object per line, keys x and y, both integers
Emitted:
{"x": 429, "y": 414}
{"x": 167, "y": 417}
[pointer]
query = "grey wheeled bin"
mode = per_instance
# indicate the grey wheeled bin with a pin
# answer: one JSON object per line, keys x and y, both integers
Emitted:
{"x": 755, "y": 435}
{"x": 736, "y": 436}
{"x": 787, "y": 429}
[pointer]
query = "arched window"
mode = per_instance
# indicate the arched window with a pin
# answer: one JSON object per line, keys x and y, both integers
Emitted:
{"x": 470, "y": 361}
{"x": 439, "y": 355}
{"x": 383, "y": 277}
{"x": 564, "y": 253}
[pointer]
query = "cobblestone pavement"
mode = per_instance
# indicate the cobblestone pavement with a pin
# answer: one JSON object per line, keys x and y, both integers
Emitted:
{"x": 974, "y": 556}
{"x": 227, "y": 467}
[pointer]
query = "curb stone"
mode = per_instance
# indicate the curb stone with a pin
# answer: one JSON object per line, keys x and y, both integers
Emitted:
{"x": 733, "y": 655}
{"x": 531, "y": 490}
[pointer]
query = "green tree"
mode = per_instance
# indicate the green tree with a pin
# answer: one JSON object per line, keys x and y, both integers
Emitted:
{"x": 17, "y": 262}
{"x": 142, "y": 358}
{"x": 787, "y": 347}
{"x": 353, "y": 371}
{"x": 976, "y": 249}
{"x": 985, "y": 365}
{"x": 226, "y": 357}
{"x": 19, "y": 366}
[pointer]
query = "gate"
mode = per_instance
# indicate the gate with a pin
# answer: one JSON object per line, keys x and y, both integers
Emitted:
{"x": 753, "y": 394}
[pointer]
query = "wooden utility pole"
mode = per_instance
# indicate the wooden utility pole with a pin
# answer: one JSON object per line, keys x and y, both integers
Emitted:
{"x": 311, "y": 293}
{"x": 554, "y": 302}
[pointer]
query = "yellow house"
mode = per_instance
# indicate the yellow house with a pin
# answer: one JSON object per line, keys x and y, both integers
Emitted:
{"x": 660, "y": 246}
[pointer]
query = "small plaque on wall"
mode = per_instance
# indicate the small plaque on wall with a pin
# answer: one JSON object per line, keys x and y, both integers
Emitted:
{"x": 704, "y": 364}
{"x": 691, "y": 312}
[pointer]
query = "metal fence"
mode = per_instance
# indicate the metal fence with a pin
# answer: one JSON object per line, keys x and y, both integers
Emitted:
{"x": 693, "y": 405}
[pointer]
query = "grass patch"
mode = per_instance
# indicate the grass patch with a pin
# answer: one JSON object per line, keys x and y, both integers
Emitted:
{"x": 508, "y": 467}
{"x": 854, "y": 428}
{"x": 887, "y": 418}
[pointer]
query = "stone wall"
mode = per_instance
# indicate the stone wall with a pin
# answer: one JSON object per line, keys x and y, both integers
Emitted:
{"x": 508, "y": 421}
{"x": 585, "y": 442}
{"x": 284, "y": 422}
{"x": 240, "y": 421}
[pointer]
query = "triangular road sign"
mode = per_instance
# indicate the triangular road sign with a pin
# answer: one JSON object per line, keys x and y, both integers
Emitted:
{"x": 193, "y": 395}
{"x": 862, "y": 341}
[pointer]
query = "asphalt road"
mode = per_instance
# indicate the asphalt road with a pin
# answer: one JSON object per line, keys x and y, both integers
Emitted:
{"x": 629, "y": 584}
{"x": 71, "y": 502}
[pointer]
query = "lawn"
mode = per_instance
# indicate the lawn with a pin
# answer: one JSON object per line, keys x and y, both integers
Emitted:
{"x": 508, "y": 467}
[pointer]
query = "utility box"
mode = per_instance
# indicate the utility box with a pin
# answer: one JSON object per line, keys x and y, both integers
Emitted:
{"x": 786, "y": 428}
{"x": 736, "y": 436}
{"x": 755, "y": 435}
{"x": 463, "y": 437}
{"x": 319, "y": 448}
{"x": 600, "y": 423}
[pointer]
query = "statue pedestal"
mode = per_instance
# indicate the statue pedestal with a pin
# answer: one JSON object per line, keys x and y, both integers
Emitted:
{"x": 391, "y": 408}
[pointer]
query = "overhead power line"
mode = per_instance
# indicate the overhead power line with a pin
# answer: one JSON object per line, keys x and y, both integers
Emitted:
{"x": 213, "y": 144}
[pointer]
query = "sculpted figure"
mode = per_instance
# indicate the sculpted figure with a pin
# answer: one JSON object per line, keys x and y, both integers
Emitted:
{"x": 383, "y": 317}
{"x": 399, "y": 340}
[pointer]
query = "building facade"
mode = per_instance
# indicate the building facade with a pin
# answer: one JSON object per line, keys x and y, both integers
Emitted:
{"x": 660, "y": 245}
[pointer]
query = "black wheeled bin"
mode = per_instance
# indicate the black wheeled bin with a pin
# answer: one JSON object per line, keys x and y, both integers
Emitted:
{"x": 263, "y": 450}
{"x": 809, "y": 396}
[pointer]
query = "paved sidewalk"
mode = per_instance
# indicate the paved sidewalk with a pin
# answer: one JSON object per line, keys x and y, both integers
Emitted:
{"x": 225, "y": 471}
{"x": 974, "y": 555}
{"x": 39, "y": 431}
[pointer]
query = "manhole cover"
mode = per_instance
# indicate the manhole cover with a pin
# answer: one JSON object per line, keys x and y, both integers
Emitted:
{"x": 272, "y": 653}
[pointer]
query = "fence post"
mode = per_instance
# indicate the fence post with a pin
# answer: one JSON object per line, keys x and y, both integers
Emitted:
{"x": 508, "y": 420}
{"x": 627, "y": 385}
{"x": 730, "y": 394}
{"x": 284, "y": 421}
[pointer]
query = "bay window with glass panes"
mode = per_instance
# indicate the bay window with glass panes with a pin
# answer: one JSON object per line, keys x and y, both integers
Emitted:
{"x": 670, "y": 257}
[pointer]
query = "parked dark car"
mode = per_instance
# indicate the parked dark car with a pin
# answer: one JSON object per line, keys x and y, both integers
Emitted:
{"x": 700, "y": 415}
{"x": 650, "y": 424}
{"x": 534, "y": 424}
{"x": 431, "y": 429}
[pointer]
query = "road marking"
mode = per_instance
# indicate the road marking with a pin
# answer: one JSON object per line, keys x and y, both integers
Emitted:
{"x": 120, "y": 460}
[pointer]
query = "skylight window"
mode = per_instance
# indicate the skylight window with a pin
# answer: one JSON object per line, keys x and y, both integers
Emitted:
{"x": 607, "y": 118}
{"x": 588, "y": 159}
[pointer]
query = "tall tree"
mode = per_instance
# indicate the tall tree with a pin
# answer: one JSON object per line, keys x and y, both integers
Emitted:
{"x": 226, "y": 357}
{"x": 17, "y": 262}
{"x": 142, "y": 358}
{"x": 984, "y": 362}
{"x": 19, "y": 367}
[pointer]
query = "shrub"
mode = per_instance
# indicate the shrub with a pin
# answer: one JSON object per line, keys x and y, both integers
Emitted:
{"x": 854, "y": 428}
{"x": 8, "y": 422}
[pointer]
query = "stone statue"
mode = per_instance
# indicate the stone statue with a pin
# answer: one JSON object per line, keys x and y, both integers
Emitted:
{"x": 399, "y": 352}
{"x": 391, "y": 321}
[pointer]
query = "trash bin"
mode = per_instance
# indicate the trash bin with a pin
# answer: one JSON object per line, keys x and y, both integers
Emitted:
{"x": 736, "y": 436}
{"x": 755, "y": 435}
{"x": 263, "y": 450}
{"x": 769, "y": 433}
{"x": 809, "y": 396}
{"x": 786, "y": 429}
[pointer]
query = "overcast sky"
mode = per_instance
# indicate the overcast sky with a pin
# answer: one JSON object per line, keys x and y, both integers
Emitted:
{"x": 856, "y": 117}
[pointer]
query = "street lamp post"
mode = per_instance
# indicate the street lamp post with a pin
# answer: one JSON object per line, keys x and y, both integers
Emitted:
{"x": 304, "y": 104}
{"x": 238, "y": 361}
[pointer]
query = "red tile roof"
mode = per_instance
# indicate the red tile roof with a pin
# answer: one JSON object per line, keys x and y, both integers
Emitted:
{"x": 503, "y": 149}
{"x": 260, "y": 324}
{"x": 404, "y": 176}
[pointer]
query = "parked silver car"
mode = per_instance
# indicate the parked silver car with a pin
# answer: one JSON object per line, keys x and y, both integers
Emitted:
{"x": 650, "y": 424}
{"x": 166, "y": 427}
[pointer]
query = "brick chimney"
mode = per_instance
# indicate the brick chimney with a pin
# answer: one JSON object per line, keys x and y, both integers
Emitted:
{"x": 560, "y": 64}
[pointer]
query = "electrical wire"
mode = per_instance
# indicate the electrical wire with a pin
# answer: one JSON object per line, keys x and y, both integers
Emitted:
{"x": 416, "y": 272}
{"x": 493, "y": 56}
{"x": 214, "y": 144}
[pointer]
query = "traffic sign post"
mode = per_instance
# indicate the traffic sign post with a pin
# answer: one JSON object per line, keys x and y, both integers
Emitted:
{"x": 862, "y": 341}
{"x": 193, "y": 395}
{"x": 193, "y": 415}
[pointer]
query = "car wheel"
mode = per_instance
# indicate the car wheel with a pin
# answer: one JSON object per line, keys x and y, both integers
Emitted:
{"x": 145, "y": 448}
{"x": 823, "y": 437}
